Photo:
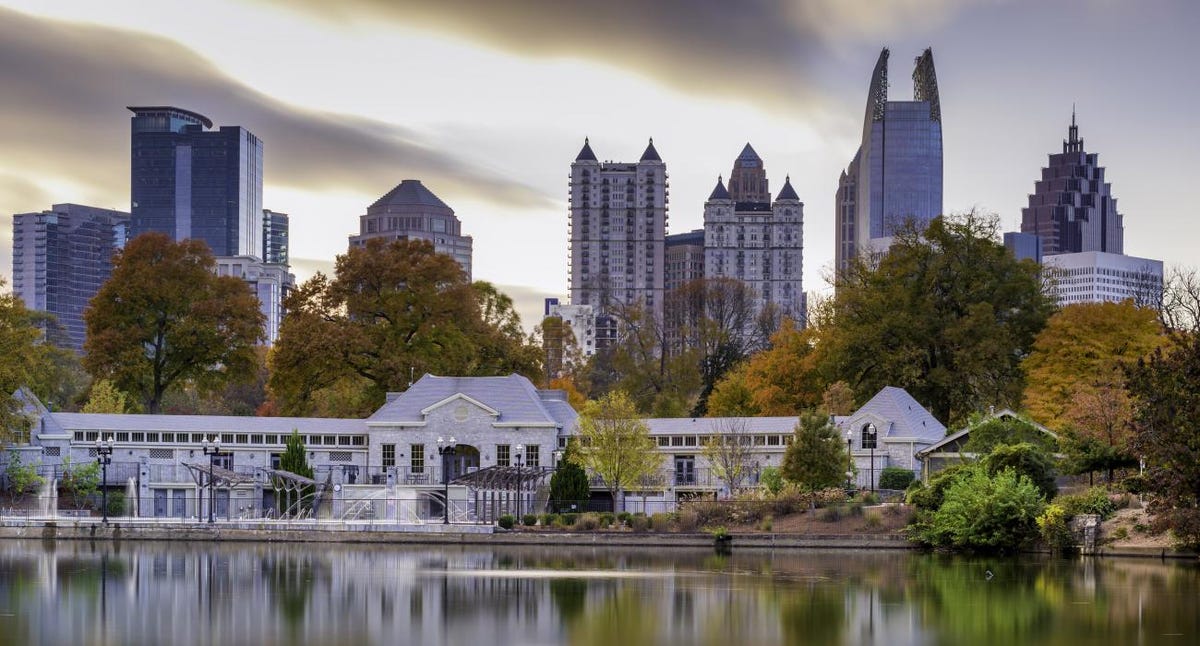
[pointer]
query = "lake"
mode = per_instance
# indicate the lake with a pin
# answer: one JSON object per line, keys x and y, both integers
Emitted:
{"x": 74, "y": 592}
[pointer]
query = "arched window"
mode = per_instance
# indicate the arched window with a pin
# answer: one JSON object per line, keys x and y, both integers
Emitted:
{"x": 869, "y": 436}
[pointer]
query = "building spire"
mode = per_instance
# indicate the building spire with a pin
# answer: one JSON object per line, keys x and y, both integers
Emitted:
{"x": 1073, "y": 144}
{"x": 585, "y": 153}
{"x": 719, "y": 192}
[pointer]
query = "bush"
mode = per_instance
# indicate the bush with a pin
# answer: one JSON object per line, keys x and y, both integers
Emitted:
{"x": 929, "y": 496}
{"x": 506, "y": 521}
{"x": 660, "y": 522}
{"x": 639, "y": 523}
{"x": 873, "y": 519}
{"x": 1120, "y": 534}
{"x": 1026, "y": 459}
{"x": 529, "y": 520}
{"x": 984, "y": 512}
{"x": 1134, "y": 484}
{"x": 587, "y": 522}
{"x": 766, "y": 524}
{"x": 569, "y": 519}
{"x": 624, "y": 517}
{"x": 687, "y": 520}
{"x": 831, "y": 514}
{"x": 549, "y": 520}
{"x": 607, "y": 519}
{"x": 868, "y": 498}
{"x": 1055, "y": 528}
{"x": 116, "y": 503}
{"x": 896, "y": 478}
{"x": 771, "y": 479}
{"x": 1092, "y": 501}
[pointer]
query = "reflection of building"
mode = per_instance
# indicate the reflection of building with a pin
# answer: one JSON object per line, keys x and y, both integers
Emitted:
{"x": 617, "y": 227}
{"x": 896, "y": 175}
{"x": 61, "y": 257}
{"x": 412, "y": 212}
{"x": 752, "y": 239}
{"x": 1094, "y": 277}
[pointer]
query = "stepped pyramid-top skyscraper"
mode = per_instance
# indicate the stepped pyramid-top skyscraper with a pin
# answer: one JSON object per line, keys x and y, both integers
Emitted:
{"x": 410, "y": 211}
{"x": 896, "y": 175}
{"x": 1072, "y": 208}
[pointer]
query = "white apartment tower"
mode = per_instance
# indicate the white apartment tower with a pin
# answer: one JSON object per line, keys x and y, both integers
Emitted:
{"x": 617, "y": 228}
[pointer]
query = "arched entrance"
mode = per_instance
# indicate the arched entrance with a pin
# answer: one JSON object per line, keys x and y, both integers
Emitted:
{"x": 465, "y": 460}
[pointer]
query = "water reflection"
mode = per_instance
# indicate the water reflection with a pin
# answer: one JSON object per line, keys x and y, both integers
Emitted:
{"x": 143, "y": 593}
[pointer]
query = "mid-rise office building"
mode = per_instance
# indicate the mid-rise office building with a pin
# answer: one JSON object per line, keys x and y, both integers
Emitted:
{"x": 275, "y": 237}
{"x": 189, "y": 181}
{"x": 61, "y": 257}
{"x": 1072, "y": 208}
{"x": 616, "y": 235}
{"x": 1096, "y": 276}
{"x": 684, "y": 254}
{"x": 755, "y": 240}
{"x": 895, "y": 177}
{"x": 412, "y": 212}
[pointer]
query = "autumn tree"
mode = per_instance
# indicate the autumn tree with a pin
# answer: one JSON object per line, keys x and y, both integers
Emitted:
{"x": 562, "y": 354}
{"x": 779, "y": 381}
{"x": 616, "y": 444}
{"x": 106, "y": 398}
{"x": 729, "y": 451}
{"x": 838, "y": 398}
{"x": 946, "y": 313}
{"x": 816, "y": 458}
{"x": 658, "y": 381}
{"x": 165, "y": 319}
{"x": 18, "y": 338}
{"x": 393, "y": 311}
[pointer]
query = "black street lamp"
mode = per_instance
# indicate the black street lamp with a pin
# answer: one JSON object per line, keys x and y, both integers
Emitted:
{"x": 446, "y": 450}
{"x": 849, "y": 456}
{"x": 211, "y": 449}
{"x": 869, "y": 435}
{"x": 104, "y": 450}
{"x": 519, "y": 457}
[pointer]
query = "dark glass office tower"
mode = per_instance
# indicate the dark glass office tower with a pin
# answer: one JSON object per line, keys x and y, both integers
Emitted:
{"x": 275, "y": 237}
{"x": 896, "y": 175}
{"x": 190, "y": 181}
{"x": 1072, "y": 208}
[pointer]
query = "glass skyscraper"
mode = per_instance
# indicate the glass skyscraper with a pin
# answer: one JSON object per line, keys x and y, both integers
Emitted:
{"x": 896, "y": 175}
{"x": 189, "y": 181}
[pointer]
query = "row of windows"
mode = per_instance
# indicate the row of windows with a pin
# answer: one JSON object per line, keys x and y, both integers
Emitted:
{"x": 250, "y": 439}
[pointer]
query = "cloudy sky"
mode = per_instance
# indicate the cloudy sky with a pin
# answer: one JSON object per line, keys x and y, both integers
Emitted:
{"x": 487, "y": 102}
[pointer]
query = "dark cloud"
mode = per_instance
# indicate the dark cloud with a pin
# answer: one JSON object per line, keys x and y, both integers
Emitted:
{"x": 758, "y": 50}
{"x": 66, "y": 85}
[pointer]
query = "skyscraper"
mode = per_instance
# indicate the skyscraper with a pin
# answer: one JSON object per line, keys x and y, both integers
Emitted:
{"x": 1072, "y": 208}
{"x": 896, "y": 175}
{"x": 755, "y": 240}
{"x": 617, "y": 228}
{"x": 275, "y": 237}
{"x": 189, "y": 181}
{"x": 61, "y": 257}
{"x": 412, "y": 212}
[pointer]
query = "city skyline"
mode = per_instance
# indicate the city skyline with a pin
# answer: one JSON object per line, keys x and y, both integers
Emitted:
{"x": 466, "y": 116}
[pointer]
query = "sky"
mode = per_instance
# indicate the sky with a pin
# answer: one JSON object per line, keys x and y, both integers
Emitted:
{"x": 487, "y": 103}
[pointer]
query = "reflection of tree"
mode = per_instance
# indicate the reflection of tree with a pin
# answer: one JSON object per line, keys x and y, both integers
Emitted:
{"x": 569, "y": 595}
{"x": 291, "y": 583}
{"x": 816, "y": 615}
{"x": 623, "y": 617}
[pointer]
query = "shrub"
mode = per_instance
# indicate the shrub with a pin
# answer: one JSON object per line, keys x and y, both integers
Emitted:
{"x": 984, "y": 512}
{"x": 529, "y": 520}
{"x": 607, "y": 519}
{"x": 1134, "y": 484}
{"x": 569, "y": 519}
{"x": 639, "y": 523}
{"x": 1092, "y": 501}
{"x": 868, "y": 498}
{"x": 873, "y": 519}
{"x": 687, "y": 520}
{"x": 1055, "y": 529}
{"x": 930, "y": 496}
{"x": 831, "y": 514}
{"x": 549, "y": 520}
{"x": 771, "y": 479}
{"x": 1026, "y": 459}
{"x": 588, "y": 522}
{"x": 116, "y": 503}
{"x": 506, "y": 521}
{"x": 893, "y": 509}
{"x": 895, "y": 478}
{"x": 660, "y": 522}
{"x": 1120, "y": 534}
{"x": 766, "y": 524}
{"x": 624, "y": 517}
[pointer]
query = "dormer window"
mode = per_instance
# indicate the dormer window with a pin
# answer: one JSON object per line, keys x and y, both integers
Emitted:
{"x": 869, "y": 436}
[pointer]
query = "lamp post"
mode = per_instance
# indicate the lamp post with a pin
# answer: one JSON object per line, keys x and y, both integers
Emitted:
{"x": 849, "y": 456}
{"x": 104, "y": 450}
{"x": 446, "y": 450}
{"x": 211, "y": 448}
{"x": 869, "y": 433}
{"x": 520, "y": 458}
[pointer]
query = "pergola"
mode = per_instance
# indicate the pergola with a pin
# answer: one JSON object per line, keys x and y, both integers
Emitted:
{"x": 502, "y": 490}
{"x": 213, "y": 477}
{"x": 288, "y": 482}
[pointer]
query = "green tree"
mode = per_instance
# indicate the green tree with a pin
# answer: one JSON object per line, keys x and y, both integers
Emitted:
{"x": 165, "y": 319}
{"x": 22, "y": 478}
{"x": 106, "y": 398}
{"x": 81, "y": 481}
{"x": 659, "y": 380}
{"x": 569, "y": 484}
{"x": 947, "y": 314}
{"x": 816, "y": 458}
{"x": 1026, "y": 459}
{"x": 393, "y": 311}
{"x": 616, "y": 444}
{"x": 1166, "y": 423}
{"x": 992, "y": 432}
{"x": 18, "y": 349}
{"x": 295, "y": 460}
{"x": 986, "y": 513}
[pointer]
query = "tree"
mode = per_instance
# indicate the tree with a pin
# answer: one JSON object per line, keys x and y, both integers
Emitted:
{"x": 295, "y": 460}
{"x": 992, "y": 432}
{"x": 18, "y": 349}
{"x": 729, "y": 452}
{"x": 732, "y": 397}
{"x": 780, "y": 381}
{"x": 616, "y": 444}
{"x": 947, "y": 314}
{"x": 815, "y": 459}
{"x": 641, "y": 363}
{"x": 1026, "y": 459}
{"x": 165, "y": 319}
{"x": 1166, "y": 424}
{"x": 575, "y": 398}
{"x": 393, "y": 311}
{"x": 569, "y": 484}
{"x": 22, "y": 478}
{"x": 80, "y": 481}
{"x": 838, "y": 398}
{"x": 1075, "y": 370}
{"x": 983, "y": 512}
{"x": 106, "y": 398}
{"x": 1180, "y": 308}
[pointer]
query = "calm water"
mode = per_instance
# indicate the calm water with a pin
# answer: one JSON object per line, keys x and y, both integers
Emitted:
{"x": 145, "y": 593}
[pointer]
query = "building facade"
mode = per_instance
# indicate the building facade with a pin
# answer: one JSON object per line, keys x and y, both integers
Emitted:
{"x": 189, "y": 181}
{"x": 895, "y": 177}
{"x": 752, "y": 239}
{"x": 580, "y": 319}
{"x": 684, "y": 253}
{"x": 61, "y": 257}
{"x": 410, "y": 211}
{"x": 616, "y": 235}
{"x": 1095, "y": 277}
{"x": 275, "y": 238}
{"x": 270, "y": 283}
{"x": 1072, "y": 208}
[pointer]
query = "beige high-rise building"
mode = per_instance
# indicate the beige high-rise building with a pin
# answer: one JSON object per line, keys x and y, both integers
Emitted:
{"x": 618, "y": 224}
{"x": 412, "y": 212}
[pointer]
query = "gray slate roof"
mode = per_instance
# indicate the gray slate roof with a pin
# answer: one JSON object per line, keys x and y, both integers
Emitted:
{"x": 409, "y": 192}
{"x": 719, "y": 192}
{"x": 585, "y": 153}
{"x": 514, "y": 396}
{"x": 788, "y": 193}
{"x": 704, "y": 425}
{"x": 749, "y": 154}
{"x": 205, "y": 423}
{"x": 650, "y": 154}
{"x": 906, "y": 418}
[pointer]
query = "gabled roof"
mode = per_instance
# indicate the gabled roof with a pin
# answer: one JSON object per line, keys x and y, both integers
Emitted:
{"x": 748, "y": 154}
{"x": 205, "y": 423}
{"x": 904, "y": 417}
{"x": 705, "y": 425}
{"x": 719, "y": 192}
{"x": 409, "y": 192}
{"x": 585, "y": 153}
{"x": 1001, "y": 414}
{"x": 513, "y": 397}
{"x": 651, "y": 154}
{"x": 788, "y": 193}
